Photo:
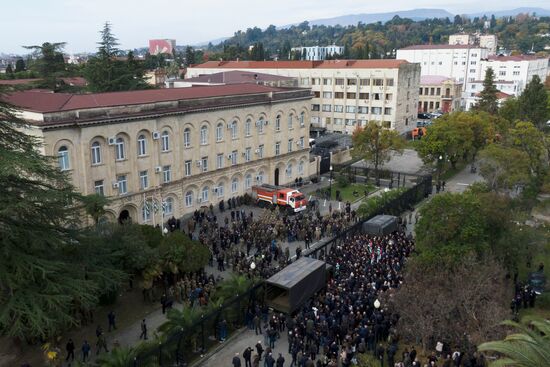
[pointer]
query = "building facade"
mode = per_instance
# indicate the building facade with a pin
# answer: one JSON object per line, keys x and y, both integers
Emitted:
{"x": 173, "y": 149}
{"x": 438, "y": 93}
{"x": 319, "y": 53}
{"x": 347, "y": 93}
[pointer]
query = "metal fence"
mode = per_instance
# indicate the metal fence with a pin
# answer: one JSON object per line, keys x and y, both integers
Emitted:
{"x": 189, "y": 343}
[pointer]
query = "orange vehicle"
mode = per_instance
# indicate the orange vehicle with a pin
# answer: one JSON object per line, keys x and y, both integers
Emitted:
{"x": 418, "y": 133}
{"x": 267, "y": 195}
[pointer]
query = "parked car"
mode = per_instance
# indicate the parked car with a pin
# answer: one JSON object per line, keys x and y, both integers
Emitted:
{"x": 435, "y": 114}
{"x": 424, "y": 116}
{"x": 537, "y": 281}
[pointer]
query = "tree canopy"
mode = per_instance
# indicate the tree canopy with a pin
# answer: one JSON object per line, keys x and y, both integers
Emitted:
{"x": 533, "y": 103}
{"x": 488, "y": 100}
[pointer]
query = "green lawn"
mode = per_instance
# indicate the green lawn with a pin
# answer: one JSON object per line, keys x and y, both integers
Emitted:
{"x": 347, "y": 192}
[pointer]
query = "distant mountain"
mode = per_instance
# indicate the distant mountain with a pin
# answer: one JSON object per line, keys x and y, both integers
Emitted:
{"x": 214, "y": 42}
{"x": 415, "y": 14}
{"x": 513, "y": 12}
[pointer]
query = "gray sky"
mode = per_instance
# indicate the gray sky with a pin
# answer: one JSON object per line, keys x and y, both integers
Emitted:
{"x": 77, "y": 22}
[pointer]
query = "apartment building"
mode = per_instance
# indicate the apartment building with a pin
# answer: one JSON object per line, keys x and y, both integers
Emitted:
{"x": 347, "y": 93}
{"x": 438, "y": 93}
{"x": 172, "y": 149}
{"x": 512, "y": 74}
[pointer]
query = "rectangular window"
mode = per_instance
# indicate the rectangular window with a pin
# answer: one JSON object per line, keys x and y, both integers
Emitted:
{"x": 378, "y": 82}
{"x": 352, "y": 81}
{"x": 364, "y": 82}
{"x": 248, "y": 154}
{"x": 327, "y": 120}
{"x": 278, "y": 148}
{"x": 337, "y": 121}
{"x": 327, "y": 94}
{"x": 420, "y": 91}
{"x": 316, "y": 94}
{"x": 122, "y": 184}
{"x": 219, "y": 161}
{"x": 339, "y": 95}
{"x": 438, "y": 92}
{"x": 350, "y": 109}
{"x": 204, "y": 164}
{"x": 502, "y": 73}
{"x": 314, "y": 107}
{"x": 314, "y": 81}
{"x": 516, "y": 73}
{"x": 166, "y": 173}
{"x": 389, "y": 96}
{"x": 432, "y": 91}
{"x": 305, "y": 81}
{"x": 278, "y": 118}
{"x": 387, "y": 111}
{"x": 338, "y": 108}
{"x": 327, "y": 81}
{"x": 143, "y": 180}
{"x": 326, "y": 108}
{"x": 99, "y": 187}
{"x": 261, "y": 151}
{"x": 364, "y": 96}
{"x": 363, "y": 109}
{"x": 389, "y": 82}
{"x": 234, "y": 157}
{"x": 247, "y": 127}
{"x": 351, "y": 95}
{"x": 350, "y": 122}
{"x": 187, "y": 168}
{"x": 289, "y": 145}
{"x": 376, "y": 96}
{"x": 339, "y": 81}
{"x": 301, "y": 143}
{"x": 376, "y": 110}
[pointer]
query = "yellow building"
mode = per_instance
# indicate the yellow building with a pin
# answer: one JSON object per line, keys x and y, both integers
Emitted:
{"x": 180, "y": 148}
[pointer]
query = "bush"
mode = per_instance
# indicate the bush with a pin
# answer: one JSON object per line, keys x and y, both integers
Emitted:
{"x": 342, "y": 181}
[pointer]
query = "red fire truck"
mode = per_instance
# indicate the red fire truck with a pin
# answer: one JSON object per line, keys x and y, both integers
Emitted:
{"x": 267, "y": 195}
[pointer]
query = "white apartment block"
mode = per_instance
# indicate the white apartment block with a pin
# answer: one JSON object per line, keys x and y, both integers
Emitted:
{"x": 347, "y": 93}
{"x": 512, "y": 74}
{"x": 318, "y": 53}
{"x": 488, "y": 41}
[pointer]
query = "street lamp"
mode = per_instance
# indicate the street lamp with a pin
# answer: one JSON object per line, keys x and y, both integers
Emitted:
{"x": 330, "y": 183}
{"x": 439, "y": 168}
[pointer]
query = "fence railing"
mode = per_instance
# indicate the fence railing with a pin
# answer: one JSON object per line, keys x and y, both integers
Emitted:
{"x": 189, "y": 343}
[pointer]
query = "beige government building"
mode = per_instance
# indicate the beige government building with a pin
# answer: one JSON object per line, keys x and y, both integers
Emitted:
{"x": 347, "y": 93}
{"x": 177, "y": 149}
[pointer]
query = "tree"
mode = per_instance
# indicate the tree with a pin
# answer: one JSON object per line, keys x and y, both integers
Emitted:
{"x": 375, "y": 144}
{"x": 179, "y": 254}
{"x": 189, "y": 56}
{"x": 235, "y": 285}
{"x": 488, "y": 101}
{"x": 118, "y": 357}
{"x": 173, "y": 70}
{"x": 527, "y": 138}
{"x": 510, "y": 109}
{"x": 9, "y": 71}
{"x": 503, "y": 168}
{"x": 469, "y": 298}
{"x": 533, "y": 103}
{"x": 180, "y": 319}
{"x": 529, "y": 347}
{"x": 47, "y": 271}
{"x": 108, "y": 43}
{"x": 49, "y": 63}
{"x": 19, "y": 65}
{"x": 94, "y": 205}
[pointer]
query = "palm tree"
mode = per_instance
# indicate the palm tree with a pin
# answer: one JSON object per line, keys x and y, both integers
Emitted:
{"x": 119, "y": 357}
{"x": 236, "y": 285}
{"x": 530, "y": 347}
{"x": 179, "y": 320}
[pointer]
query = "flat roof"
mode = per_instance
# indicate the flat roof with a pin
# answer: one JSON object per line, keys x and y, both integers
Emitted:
{"x": 235, "y": 77}
{"x": 439, "y": 47}
{"x": 295, "y": 272}
{"x": 303, "y": 64}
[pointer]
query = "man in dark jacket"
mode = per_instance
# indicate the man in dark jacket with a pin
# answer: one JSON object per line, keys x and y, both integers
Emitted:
{"x": 70, "y": 350}
{"x": 259, "y": 349}
{"x": 236, "y": 360}
{"x": 247, "y": 355}
{"x": 280, "y": 360}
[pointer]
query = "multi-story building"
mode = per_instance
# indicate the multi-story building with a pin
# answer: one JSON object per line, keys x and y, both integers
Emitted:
{"x": 488, "y": 41}
{"x": 512, "y": 74}
{"x": 347, "y": 93}
{"x": 318, "y": 53}
{"x": 461, "y": 62}
{"x": 438, "y": 93}
{"x": 179, "y": 148}
{"x": 233, "y": 77}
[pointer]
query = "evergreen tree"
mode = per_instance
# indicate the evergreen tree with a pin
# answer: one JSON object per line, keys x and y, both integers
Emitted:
{"x": 49, "y": 63}
{"x": 189, "y": 56}
{"x": 108, "y": 44}
{"x": 533, "y": 103}
{"x": 488, "y": 97}
{"x": 9, "y": 71}
{"x": 48, "y": 271}
{"x": 19, "y": 65}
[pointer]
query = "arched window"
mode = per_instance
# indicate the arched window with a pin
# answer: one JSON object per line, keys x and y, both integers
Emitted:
{"x": 219, "y": 132}
{"x": 248, "y": 181}
{"x": 119, "y": 147}
{"x": 187, "y": 137}
{"x": 165, "y": 141}
{"x": 260, "y": 177}
{"x": 142, "y": 145}
{"x": 204, "y": 194}
{"x": 248, "y": 127}
{"x": 302, "y": 119}
{"x": 289, "y": 170}
{"x": 234, "y": 130}
{"x": 63, "y": 158}
{"x": 301, "y": 168}
{"x": 145, "y": 212}
{"x": 220, "y": 189}
{"x": 234, "y": 185}
{"x": 96, "y": 152}
{"x": 261, "y": 124}
{"x": 278, "y": 123}
{"x": 189, "y": 199}
{"x": 204, "y": 135}
{"x": 290, "y": 121}
{"x": 168, "y": 206}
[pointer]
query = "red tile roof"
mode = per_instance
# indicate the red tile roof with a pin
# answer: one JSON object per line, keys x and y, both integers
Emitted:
{"x": 236, "y": 77}
{"x": 329, "y": 64}
{"x": 40, "y": 101}
{"x": 438, "y": 47}
{"x": 76, "y": 81}
{"x": 516, "y": 58}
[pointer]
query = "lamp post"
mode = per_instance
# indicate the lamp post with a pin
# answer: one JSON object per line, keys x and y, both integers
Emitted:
{"x": 439, "y": 168}
{"x": 330, "y": 183}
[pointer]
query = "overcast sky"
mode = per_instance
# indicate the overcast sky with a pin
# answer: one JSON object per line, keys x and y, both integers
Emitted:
{"x": 134, "y": 22}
